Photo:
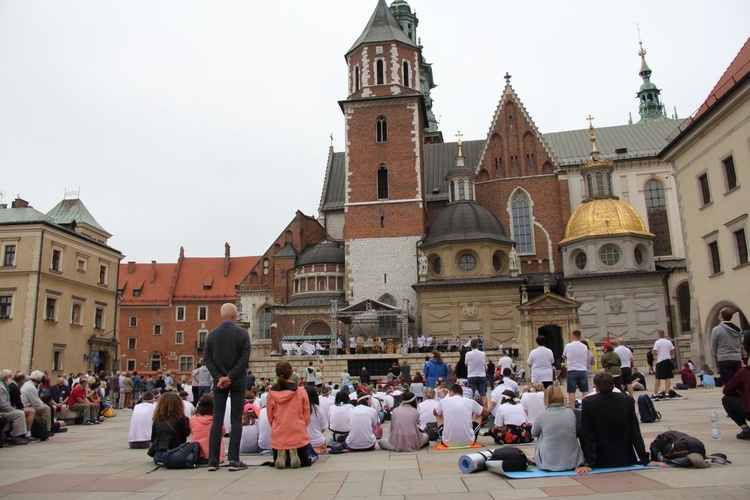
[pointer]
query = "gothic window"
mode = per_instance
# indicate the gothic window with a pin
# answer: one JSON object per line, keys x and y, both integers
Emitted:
{"x": 530, "y": 161}
{"x": 381, "y": 130}
{"x": 658, "y": 221}
{"x": 461, "y": 190}
{"x": 406, "y": 73}
{"x": 599, "y": 184}
{"x": 356, "y": 78}
{"x": 522, "y": 225}
{"x": 590, "y": 185}
{"x": 379, "y": 72}
{"x": 382, "y": 182}
{"x": 453, "y": 191}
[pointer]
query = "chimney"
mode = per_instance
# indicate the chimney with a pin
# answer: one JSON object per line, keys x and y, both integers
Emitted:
{"x": 226, "y": 259}
{"x": 153, "y": 271}
{"x": 131, "y": 266}
{"x": 19, "y": 203}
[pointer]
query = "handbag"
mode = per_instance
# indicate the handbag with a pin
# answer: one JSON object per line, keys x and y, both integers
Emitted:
{"x": 377, "y": 429}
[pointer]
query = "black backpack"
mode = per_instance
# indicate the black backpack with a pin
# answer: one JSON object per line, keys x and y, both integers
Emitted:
{"x": 514, "y": 460}
{"x": 647, "y": 411}
{"x": 39, "y": 429}
{"x": 185, "y": 456}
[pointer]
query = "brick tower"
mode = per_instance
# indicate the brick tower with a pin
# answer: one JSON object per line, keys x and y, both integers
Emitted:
{"x": 385, "y": 118}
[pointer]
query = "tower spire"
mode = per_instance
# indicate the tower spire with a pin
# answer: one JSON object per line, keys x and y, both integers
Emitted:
{"x": 650, "y": 106}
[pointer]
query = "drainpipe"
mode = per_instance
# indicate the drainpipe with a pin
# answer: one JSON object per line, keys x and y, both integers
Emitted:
{"x": 36, "y": 301}
{"x": 672, "y": 333}
{"x": 117, "y": 309}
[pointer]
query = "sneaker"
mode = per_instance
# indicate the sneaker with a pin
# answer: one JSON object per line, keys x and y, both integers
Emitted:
{"x": 294, "y": 459}
{"x": 88, "y": 423}
{"x": 213, "y": 468}
{"x": 101, "y": 419}
{"x": 32, "y": 439}
{"x": 95, "y": 422}
{"x": 280, "y": 459}
{"x": 238, "y": 465}
{"x": 18, "y": 440}
{"x": 745, "y": 434}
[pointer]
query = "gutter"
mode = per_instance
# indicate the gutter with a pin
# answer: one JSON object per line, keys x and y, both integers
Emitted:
{"x": 36, "y": 300}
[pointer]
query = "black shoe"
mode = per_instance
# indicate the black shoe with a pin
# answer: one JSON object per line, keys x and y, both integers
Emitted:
{"x": 61, "y": 430}
{"x": 32, "y": 439}
{"x": 18, "y": 440}
{"x": 238, "y": 465}
{"x": 745, "y": 434}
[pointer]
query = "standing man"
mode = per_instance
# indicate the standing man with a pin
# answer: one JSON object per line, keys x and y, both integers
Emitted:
{"x": 576, "y": 355}
{"x": 541, "y": 363}
{"x": 626, "y": 362}
{"x": 405, "y": 371}
{"x": 226, "y": 355}
{"x": 490, "y": 374}
{"x": 194, "y": 384}
{"x": 663, "y": 350}
{"x": 204, "y": 381}
{"x": 726, "y": 339}
{"x": 476, "y": 372}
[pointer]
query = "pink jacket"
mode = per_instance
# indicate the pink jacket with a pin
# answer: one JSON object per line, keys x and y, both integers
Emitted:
{"x": 200, "y": 428}
{"x": 288, "y": 414}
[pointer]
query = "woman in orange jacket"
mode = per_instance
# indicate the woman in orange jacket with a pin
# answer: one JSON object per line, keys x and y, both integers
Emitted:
{"x": 289, "y": 414}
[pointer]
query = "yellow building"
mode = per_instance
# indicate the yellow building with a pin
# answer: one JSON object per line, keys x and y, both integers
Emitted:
{"x": 58, "y": 289}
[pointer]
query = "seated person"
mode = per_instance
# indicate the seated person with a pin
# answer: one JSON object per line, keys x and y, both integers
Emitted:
{"x": 80, "y": 402}
{"x": 362, "y": 421}
{"x": 459, "y": 419}
{"x": 15, "y": 417}
{"x": 30, "y": 398}
{"x": 427, "y": 408}
{"x": 510, "y": 421}
{"x": 200, "y": 425}
{"x": 318, "y": 423}
{"x": 405, "y": 434}
{"x": 264, "y": 433}
{"x": 338, "y": 417}
{"x": 688, "y": 378}
{"x": 59, "y": 394}
{"x": 611, "y": 434}
{"x": 736, "y": 400}
{"x": 639, "y": 381}
{"x": 14, "y": 390}
{"x": 170, "y": 427}
{"x": 187, "y": 405}
{"x": 707, "y": 377}
{"x": 250, "y": 430}
{"x": 139, "y": 433}
{"x": 557, "y": 447}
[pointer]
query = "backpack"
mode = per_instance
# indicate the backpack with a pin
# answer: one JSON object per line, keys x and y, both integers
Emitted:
{"x": 185, "y": 456}
{"x": 647, "y": 411}
{"x": 514, "y": 460}
{"x": 39, "y": 429}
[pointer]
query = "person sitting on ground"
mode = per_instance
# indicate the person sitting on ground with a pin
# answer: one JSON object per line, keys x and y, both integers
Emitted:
{"x": 264, "y": 433}
{"x": 557, "y": 448}
{"x": 200, "y": 426}
{"x": 139, "y": 433}
{"x": 707, "y": 376}
{"x": 187, "y": 405}
{"x": 170, "y": 427}
{"x": 289, "y": 415}
{"x": 511, "y": 425}
{"x": 14, "y": 416}
{"x": 427, "y": 408}
{"x": 603, "y": 412}
{"x": 327, "y": 400}
{"x": 362, "y": 423}
{"x": 736, "y": 400}
{"x": 532, "y": 401}
{"x": 611, "y": 363}
{"x": 688, "y": 378}
{"x": 250, "y": 430}
{"x": 459, "y": 419}
{"x": 639, "y": 381}
{"x": 417, "y": 387}
{"x": 30, "y": 398}
{"x": 338, "y": 417}
{"x": 80, "y": 402}
{"x": 405, "y": 434}
{"x": 318, "y": 422}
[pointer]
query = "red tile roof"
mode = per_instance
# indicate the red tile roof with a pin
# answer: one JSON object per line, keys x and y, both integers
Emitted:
{"x": 737, "y": 70}
{"x": 198, "y": 273}
{"x": 152, "y": 279}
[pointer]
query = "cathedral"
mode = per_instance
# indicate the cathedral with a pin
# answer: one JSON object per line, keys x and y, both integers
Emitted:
{"x": 504, "y": 237}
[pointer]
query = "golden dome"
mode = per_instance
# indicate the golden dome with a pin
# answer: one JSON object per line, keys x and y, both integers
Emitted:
{"x": 604, "y": 217}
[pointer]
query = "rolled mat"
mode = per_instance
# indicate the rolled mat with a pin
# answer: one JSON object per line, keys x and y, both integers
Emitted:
{"x": 474, "y": 462}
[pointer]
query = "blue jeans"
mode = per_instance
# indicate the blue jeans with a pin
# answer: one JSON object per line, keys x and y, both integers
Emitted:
{"x": 478, "y": 385}
{"x": 577, "y": 379}
{"x": 236, "y": 392}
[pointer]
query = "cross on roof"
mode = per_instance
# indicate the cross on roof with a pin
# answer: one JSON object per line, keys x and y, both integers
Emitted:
{"x": 591, "y": 120}
{"x": 459, "y": 135}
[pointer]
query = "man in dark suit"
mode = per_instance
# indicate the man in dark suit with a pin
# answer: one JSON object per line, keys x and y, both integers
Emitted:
{"x": 226, "y": 355}
{"x": 611, "y": 434}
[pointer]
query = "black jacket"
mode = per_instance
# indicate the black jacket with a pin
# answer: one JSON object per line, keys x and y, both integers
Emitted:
{"x": 675, "y": 444}
{"x": 168, "y": 434}
{"x": 611, "y": 435}
{"x": 227, "y": 352}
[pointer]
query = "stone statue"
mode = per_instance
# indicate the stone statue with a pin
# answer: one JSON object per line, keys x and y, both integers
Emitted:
{"x": 422, "y": 264}
{"x": 513, "y": 260}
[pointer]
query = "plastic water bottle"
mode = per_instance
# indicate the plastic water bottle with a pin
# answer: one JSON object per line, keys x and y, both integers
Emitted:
{"x": 715, "y": 432}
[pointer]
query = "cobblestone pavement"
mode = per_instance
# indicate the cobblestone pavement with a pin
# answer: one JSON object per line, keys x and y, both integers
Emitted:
{"x": 94, "y": 462}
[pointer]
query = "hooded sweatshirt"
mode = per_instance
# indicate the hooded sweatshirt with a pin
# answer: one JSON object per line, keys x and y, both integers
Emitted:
{"x": 288, "y": 414}
{"x": 726, "y": 339}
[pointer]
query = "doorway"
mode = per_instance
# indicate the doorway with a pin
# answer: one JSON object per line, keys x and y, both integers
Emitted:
{"x": 553, "y": 334}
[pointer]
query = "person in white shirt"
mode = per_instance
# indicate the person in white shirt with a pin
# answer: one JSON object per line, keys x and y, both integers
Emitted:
{"x": 507, "y": 380}
{"x": 338, "y": 417}
{"x": 428, "y": 342}
{"x": 250, "y": 430}
{"x": 264, "y": 431}
{"x": 352, "y": 345}
{"x": 626, "y": 359}
{"x": 506, "y": 385}
{"x": 459, "y": 419}
{"x": 532, "y": 401}
{"x": 576, "y": 355}
{"x": 318, "y": 422}
{"x": 510, "y": 412}
{"x": 504, "y": 362}
{"x": 362, "y": 421}
{"x": 187, "y": 405}
{"x": 420, "y": 343}
{"x": 427, "y": 408}
{"x": 468, "y": 343}
{"x": 345, "y": 377}
{"x": 477, "y": 371}
{"x": 663, "y": 350}
{"x": 540, "y": 363}
{"x": 327, "y": 400}
{"x": 139, "y": 433}
{"x": 339, "y": 346}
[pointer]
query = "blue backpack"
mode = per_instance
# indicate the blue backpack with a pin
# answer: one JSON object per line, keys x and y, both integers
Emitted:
{"x": 646, "y": 410}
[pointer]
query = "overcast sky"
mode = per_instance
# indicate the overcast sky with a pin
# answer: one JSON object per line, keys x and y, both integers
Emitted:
{"x": 192, "y": 123}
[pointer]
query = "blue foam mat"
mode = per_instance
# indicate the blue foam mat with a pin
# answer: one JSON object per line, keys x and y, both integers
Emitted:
{"x": 533, "y": 472}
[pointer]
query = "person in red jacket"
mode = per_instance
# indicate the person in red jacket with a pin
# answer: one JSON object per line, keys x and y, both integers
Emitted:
{"x": 736, "y": 400}
{"x": 79, "y": 402}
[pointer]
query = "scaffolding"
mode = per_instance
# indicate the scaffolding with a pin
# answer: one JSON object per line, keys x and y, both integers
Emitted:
{"x": 360, "y": 320}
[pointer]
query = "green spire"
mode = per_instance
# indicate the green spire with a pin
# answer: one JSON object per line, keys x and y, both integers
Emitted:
{"x": 650, "y": 106}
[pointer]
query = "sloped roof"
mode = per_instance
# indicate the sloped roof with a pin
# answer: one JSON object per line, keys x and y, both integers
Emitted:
{"x": 333, "y": 196}
{"x": 23, "y": 215}
{"x": 440, "y": 159}
{"x": 382, "y": 27}
{"x": 195, "y": 271}
{"x": 74, "y": 210}
{"x": 573, "y": 147}
{"x": 738, "y": 68}
{"x": 153, "y": 279}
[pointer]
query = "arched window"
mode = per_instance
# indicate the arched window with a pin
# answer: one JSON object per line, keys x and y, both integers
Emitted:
{"x": 658, "y": 220}
{"x": 381, "y": 130}
{"x": 522, "y": 225}
{"x": 590, "y": 185}
{"x": 406, "y": 73}
{"x": 382, "y": 182}
{"x": 356, "y": 78}
{"x": 683, "y": 304}
{"x": 471, "y": 190}
{"x": 461, "y": 190}
{"x": 379, "y": 72}
{"x": 599, "y": 184}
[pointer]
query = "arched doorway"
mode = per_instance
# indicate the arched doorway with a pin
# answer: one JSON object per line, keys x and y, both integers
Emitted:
{"x": 739, "y": 319}
{"x": 317, "y": 328}
{"x": 553, "y": 334}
